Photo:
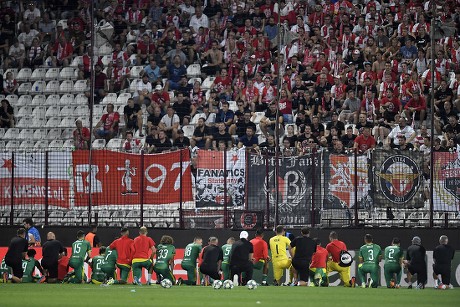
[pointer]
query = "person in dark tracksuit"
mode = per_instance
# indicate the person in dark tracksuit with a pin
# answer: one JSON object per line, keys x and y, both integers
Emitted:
{"x": 442, "y": 256}
{"x": 416, "y": 263}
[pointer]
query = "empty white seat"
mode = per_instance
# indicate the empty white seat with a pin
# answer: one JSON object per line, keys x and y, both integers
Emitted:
{"x": 53, "y": 100}
{"x": 98, "y": 144}
{"x": 133, "y": 85}
{"x": 24, "y": 74}
{"x": 39, "y": 134}
{"x": 78, "y": 60}
{"x": 68, "y": 121}
{"x": 38, "y": 74}
{"x": 106, "y": 59}
{"x": 105, "y": 49}
{"x": 52, "y": 74}
{"x": 3, "y": 146}
{"x": 39, "y": 111}
{"x": 12, "y": 145}
{"x": 11, "y": 133}
{"x": 38, "y": 87}
{"x": 123, "y": 98}
{"x": 53, "y": 122}
{"x": 81, "y": 111}
{"x": 24, "y": 111}
{"x": 193, "y": 80}
{"x": 188, "y": 130}
{"x": 13, "y": 99}
{"x": 53, "y": 134}
{"x": 193, "y": 70}
{"x": 41, "y": 144}
{"x": 52, "y": 111}
{"x": 27, "y": 144}
{"x": 56, "y": 144}
{"x": 110, "y": 98}
{"x": 2, "y": 132}
{"x": 80, "y": 86}
{"x": 135, "y": 71}
{"x": 68, "y": 145}
{"x": 257, "y": 117}
{"x": 52, "y": 87}
{"x": 66, "y": 99}
{"x": 24, "y": 88}
{"x": 25, "y": 122}
{"x": 38, "y": 121}
{"x": 66, "y": 87}
{"x": 114, "y": 144}
{"x": 81, "y": 99}
{"x": 38, "y": 100}
{"x": 67, "y": 133}
{"x": 24, "y": 100}
{"x": 207, "y": 83}
{"x": 98, "y": 110}
{"x": 25, "y": 134}
{"x": 67, "y": 111}
{"x": 67, "y": 73}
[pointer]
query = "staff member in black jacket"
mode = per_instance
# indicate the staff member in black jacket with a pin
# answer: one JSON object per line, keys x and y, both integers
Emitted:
{"x": 52, "y": 251}
{"x": 305, "y": 247}
{"x": 241, "y": 258}
{"x": 17, "y": 251}
{"x": 442, "y": 256}
{"x": 415, "y": 263}
{"x": 212, "y": 257}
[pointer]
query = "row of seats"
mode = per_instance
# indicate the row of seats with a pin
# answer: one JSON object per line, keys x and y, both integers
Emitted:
{"x": 53, "y": 87}
{"x": 46, "y": 100}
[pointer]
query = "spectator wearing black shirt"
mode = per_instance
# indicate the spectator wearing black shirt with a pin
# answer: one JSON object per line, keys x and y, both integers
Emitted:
{"x": 181, "y": 141}
{"x": 52, "y": 251}
{"x": 201, "y": 136}
{"x": 162, "y": 143}
{"x": 340, "y": 126}
{"x": 241, "y": 125}
{"x": 16, "y": 252}
{"x": 305, "y": 247}
{"x": 269, "y": 146}
{"x": 221, "y": 135}
{"x": 442, "y": 257}
{"x": 443, "y": 94}
{"x": 213, "y": 9}
{"x": 317, "y": 128}
{"x": 267, "y": 123}
{"x": 249, "y": 139}
{"x": 309, "y": 77}
{"x": 241, "y": 258}
{"x": 184, "y": 109}
{"x": 348, "y": 139}
{"x": 6, "y": 115}
{"x": 133, "y": 116}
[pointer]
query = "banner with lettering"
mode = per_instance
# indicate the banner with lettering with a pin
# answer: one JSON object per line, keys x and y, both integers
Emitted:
{"x": 29, "y": 186}
{"x": 213, "y": 169}
{"x": 297, "y": 182}
{"x": 398, "y": 178}
{"x": 344, "y": 177}
{"x": 446, "y": 182}
{"x": 122, "y": 178}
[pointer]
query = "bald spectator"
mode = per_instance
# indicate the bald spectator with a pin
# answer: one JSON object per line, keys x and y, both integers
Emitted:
{"x": 52, "y": 251}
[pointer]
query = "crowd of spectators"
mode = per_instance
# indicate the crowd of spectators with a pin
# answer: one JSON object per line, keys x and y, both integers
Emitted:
{"x": 339, "y": 74}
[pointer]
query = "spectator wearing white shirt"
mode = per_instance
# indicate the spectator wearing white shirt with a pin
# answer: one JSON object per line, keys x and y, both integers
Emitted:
{"x": 31, "y": 14}
{"x": 198, "y": 20}
{"x": 170, "y": 123}
{"x": 143, "y": 89}
{"x": 401, "y": 129}
{"x": 27, "y": 35}
{"x": 16, "y": 55}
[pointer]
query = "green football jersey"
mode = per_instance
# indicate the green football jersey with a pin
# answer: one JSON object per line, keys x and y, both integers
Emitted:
{"x": 28, "y": 269}
{"x": 191, "y": 253}
{"x": 110, "y": 258}
{"x": 226, "y": 249}
{"x": 393, "y": 253}
{"x": 370, "y": 253}
{"x": 80, "y": 249}
{"x": 165, "y": 252}
{"x": 4, "y": 268}
{"x": 96, "y": 267}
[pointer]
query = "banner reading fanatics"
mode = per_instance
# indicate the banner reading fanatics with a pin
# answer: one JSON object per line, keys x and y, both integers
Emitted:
{"x": 210, "y": 178}
{"x": 30, "y": 186}
{"x": 446, "y": 182}
{"x": 294, "y": 183}
{"x": 116, "y": 178}
{"x": 397, "y": 178}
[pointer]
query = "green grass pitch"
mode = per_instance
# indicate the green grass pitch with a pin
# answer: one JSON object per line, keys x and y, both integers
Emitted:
{"x": 128, "y": 295}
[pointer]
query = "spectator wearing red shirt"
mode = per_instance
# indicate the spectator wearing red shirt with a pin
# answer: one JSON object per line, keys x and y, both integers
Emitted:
{"x": 145, "y": 48}
{"x": 260, "y": 255}
{"x": 321, "y": 63}
{"x": 285, "y": 104}
{"x": 124, "y": 247}
{"x": 107, "y": 127}
{"x": 63, "y": 51}
{"x": 334, "y": 248}
{"x": 364, "y": 141}
{"x": 143, "y": 252}
{"x": 119, "y": 76}
{"x": 417, "y": 105}
{"x": 160, "y": 98}
{"x": 391, "y": 105}
{"x": 81, "y": 136}
{"x": 222, "y": 82}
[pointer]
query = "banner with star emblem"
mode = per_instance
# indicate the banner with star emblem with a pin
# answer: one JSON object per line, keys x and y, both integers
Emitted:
{"x": 398, "y": 178}
{"x": 213, "y": 167}
{"x": 30, "y": 186}
{"x": 298, "y": 183}
{"x": 446, "y": 182}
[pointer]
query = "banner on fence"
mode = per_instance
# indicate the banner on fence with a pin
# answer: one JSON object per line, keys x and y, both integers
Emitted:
{"x": 213, "y": 169}
{"x": 30, "y": 184}
{"x": 345, "y": 178}
{"x": 292, "y": 191}
{"x": 116, "y": 178}
{"x": 446, "y": 182}
{"x": 398, "y": 178}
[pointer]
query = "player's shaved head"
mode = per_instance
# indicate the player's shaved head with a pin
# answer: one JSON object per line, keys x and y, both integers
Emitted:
{"x": 197, "y": 240}
{"x": 80, "y": 234}
{"x": 396, "y": 241}
{"x": 368, "y": 238}
{"x": 50, "y": 236}
{"x": 333, "y": 235}
{"x": 213, "y": 240}
{"x": 443, "y": 239}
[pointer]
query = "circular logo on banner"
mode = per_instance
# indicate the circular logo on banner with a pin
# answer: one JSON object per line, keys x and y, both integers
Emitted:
{"x": 399, "y": 178}
{"x": 248, "y": 220}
